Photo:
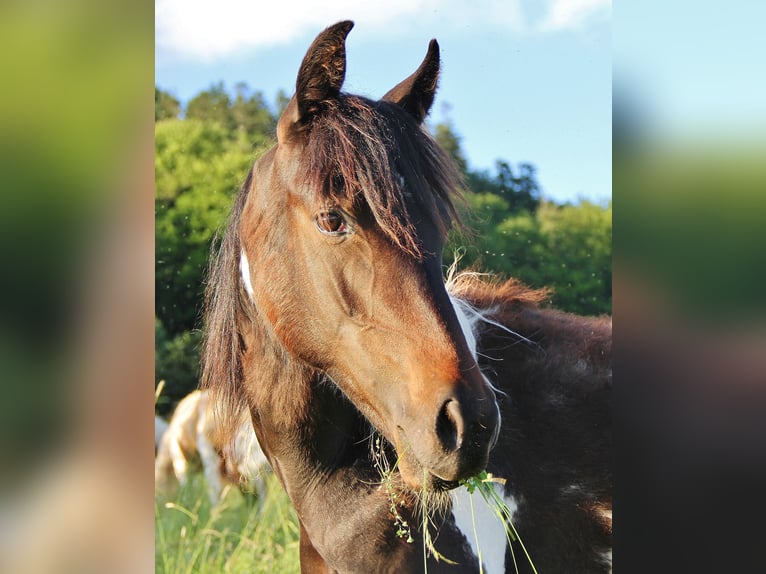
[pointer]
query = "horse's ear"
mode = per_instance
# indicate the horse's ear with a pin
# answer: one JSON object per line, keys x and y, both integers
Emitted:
{"x": 321, "y": 73}
{"x": 416, "y": 93}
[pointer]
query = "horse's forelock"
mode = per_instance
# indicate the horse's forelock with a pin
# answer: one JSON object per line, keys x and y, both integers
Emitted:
{"x": 373, "y": 153}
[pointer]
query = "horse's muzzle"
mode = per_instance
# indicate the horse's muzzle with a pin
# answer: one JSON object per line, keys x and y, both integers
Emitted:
{"x": 458, "y": 439}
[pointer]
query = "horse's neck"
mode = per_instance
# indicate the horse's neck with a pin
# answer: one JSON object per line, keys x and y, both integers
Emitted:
{"x": 319, "y": 459}
{"x": 305, "y": 426}
{"x": 275, "y": 384}
{"x": 321, "y": 453}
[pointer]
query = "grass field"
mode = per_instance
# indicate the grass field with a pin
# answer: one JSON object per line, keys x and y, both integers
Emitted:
{"x": 238, "y": 535}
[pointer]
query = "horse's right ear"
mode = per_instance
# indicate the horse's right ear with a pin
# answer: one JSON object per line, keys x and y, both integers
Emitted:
{"x": 320, "y": 77}
{"x": 416, "y": 93}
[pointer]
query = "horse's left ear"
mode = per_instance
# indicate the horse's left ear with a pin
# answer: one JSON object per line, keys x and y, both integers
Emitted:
{"x": 320, "y": 76}
{"x": 416, "y": 93}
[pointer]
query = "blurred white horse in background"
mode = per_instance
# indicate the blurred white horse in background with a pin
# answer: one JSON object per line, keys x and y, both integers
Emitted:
{"x": 191, "y": 434}
{"x": 160, "y": 426}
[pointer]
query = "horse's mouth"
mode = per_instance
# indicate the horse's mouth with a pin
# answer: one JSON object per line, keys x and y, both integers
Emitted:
{"x": 412, "y": 475}
{"x": 423, "y": 480}
{"x": 441, "y": 485}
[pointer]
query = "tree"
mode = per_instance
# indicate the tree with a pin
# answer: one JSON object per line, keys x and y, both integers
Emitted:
{"x": 521, "y": 192}
{"x": 165, "y": 105}
{"x": 250, "y": 113}
{"x": 445, "y": 136}
{"x": 513, "y": 233}
{"x": 200, "y": 163}
{"x": 176, "y": 361}
{"x": 564, "y": 247}
{"x": 211, "y": 105}
{"x": 579, "y": 245}
{"x": 198, "y": 168}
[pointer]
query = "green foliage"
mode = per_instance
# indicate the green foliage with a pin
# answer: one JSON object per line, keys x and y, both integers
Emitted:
{"x": 166, "y": 106}
{"x": 514, "y": 233}
{"x": 566, "y": 248}
{"x": 176, "y": 361}
{"x": 579, "y": 242}
{"x": 213, "y": 105}
{"x": 521, "y": 191}
{"x": 199, "y": 166}
{"x": 247, "y": 112}
{"x": 445, "y": 136}
{"x": 200, "y": 163}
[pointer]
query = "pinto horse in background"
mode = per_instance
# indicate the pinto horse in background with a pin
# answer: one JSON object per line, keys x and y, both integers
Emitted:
{"x": 192, "y": 436}
{"x": 329, "y": 322}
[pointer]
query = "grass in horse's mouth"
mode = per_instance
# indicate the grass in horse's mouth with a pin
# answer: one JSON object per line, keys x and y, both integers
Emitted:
{"x": 392, "y": 483}
{"x": 428, "y": 500}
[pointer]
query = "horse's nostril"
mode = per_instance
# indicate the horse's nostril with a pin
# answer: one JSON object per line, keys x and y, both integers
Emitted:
{"x": 449, "y": 426}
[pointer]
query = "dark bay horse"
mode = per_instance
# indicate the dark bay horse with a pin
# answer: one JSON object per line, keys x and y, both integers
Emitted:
{"x": 373, "y": 390}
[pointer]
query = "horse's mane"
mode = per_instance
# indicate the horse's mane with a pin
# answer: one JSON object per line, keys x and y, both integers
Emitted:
{"x": 362, "y": 151}
{"x": 485, "y": 290}
{"x": 222, "y": 343}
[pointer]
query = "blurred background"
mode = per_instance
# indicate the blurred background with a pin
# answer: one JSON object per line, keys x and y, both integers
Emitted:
{"x": 76, "y": 295}
{"x": 79, "y": 158}
{"x": 689, "y": 113}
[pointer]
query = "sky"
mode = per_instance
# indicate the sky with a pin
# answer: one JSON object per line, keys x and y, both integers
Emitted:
{"x": 521, "y": 80}
{"x": 692, "y": 74}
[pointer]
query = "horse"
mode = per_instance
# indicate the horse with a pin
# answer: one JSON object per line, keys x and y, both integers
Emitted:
{"x": 160, "y": 426}
{"x": 377, "y": 391}
{"x": 192, "y": 434}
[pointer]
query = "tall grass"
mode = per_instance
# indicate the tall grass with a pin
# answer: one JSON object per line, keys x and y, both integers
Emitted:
{"x": 238, "y": 535}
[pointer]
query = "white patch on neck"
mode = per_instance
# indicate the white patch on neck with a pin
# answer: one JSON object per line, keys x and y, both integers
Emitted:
{"x": 466, "y": 324}
{"x": 483, "y": 525}
{"x": 468, "y": 318}
{"x": 244, "y": 269}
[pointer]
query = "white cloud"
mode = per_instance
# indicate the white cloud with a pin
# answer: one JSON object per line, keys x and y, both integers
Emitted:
{"x": 212, "y": 28}
{"x": 209, "y": 29}
{"x": 567, "y": 14}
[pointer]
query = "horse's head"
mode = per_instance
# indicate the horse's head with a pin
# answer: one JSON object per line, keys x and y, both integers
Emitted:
{"x": 342, "y": 236}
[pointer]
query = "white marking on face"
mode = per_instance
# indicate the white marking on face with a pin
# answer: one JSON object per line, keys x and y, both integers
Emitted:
{"x": 244, "y": 269}
{"x": 483, "y": 525}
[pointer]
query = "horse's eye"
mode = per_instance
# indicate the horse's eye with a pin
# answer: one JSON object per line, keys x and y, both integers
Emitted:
{"x": 332, "y": 223}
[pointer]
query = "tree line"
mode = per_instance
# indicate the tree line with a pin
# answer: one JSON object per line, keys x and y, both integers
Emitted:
{"x": 203, "y": 151}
